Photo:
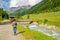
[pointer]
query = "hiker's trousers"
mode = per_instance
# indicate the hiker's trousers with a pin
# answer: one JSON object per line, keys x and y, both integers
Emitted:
{"x": 14, "y": 30}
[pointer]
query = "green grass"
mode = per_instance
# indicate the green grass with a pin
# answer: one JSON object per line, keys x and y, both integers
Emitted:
{"x": 0, "y": 18}
{"x": 52, "y": 17}
{"x": 31, "y": 34}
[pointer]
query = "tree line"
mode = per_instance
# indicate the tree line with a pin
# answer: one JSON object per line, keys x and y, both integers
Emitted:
{"x": 3, "y": 14}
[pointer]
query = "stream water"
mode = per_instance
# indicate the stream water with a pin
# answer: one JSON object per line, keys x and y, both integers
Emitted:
{"x": 42, "y": 29}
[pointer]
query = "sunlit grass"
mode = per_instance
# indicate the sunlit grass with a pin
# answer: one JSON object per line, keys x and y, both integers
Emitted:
{"x": 33, "y": 35}
{"x": 52, "y": 17}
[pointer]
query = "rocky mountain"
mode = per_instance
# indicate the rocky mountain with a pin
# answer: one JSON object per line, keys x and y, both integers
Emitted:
{"x": 13, "y": 9}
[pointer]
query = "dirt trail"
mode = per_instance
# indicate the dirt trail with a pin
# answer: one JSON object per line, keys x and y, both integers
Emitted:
{"x": 6, "y": 33}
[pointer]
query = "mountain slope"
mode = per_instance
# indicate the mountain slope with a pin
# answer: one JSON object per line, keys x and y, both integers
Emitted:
{"x": 45, "y": 5}
{"x": 18, "y": 10}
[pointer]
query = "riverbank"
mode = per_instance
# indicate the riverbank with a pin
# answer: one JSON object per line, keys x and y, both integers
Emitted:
{"x": 49, "y": 27}
{"x": 33, "y": 35}
{"x": 54, "y": 28}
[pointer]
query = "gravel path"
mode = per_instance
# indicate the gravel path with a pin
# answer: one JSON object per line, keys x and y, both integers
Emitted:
{"x": 6, "y": 33}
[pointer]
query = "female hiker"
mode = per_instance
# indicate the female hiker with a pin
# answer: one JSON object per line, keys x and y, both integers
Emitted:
{"x": 14, "y": 24}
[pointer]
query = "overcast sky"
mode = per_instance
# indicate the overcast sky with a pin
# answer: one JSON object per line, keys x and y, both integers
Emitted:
{"x": 15, "y": 3}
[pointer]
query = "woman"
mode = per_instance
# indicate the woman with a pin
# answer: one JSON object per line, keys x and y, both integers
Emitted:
{"x": 14, "y": 24}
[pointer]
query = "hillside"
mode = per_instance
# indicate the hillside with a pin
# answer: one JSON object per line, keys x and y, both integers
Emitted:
{"x": 45, "y": 5}
{"x": 45, "y": 10}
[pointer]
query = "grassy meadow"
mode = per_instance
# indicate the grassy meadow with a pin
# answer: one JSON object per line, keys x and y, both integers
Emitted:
{"x": 33, "y": 35}
{"x": 53, "y": 18}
